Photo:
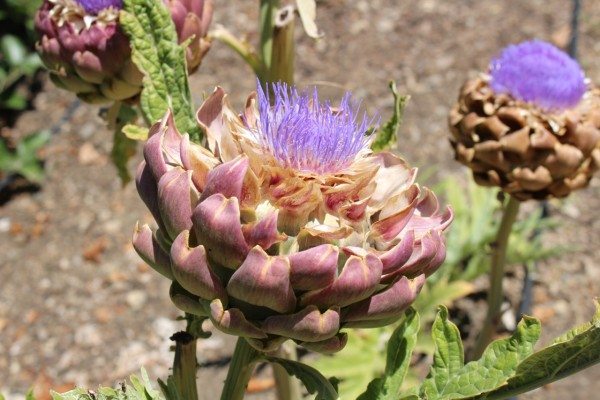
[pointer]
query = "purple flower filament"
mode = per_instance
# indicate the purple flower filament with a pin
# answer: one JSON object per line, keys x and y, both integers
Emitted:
{"x": 539, "y": 73}
{"x": 95, "y": 6}
{"x": 308, "y": 136}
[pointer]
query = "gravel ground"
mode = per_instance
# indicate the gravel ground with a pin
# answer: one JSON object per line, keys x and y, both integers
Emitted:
{"x": 77, "y": 306}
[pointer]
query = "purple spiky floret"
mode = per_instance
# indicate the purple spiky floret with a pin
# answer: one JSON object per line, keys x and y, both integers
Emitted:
{"x": 307, "y": 135}
{"x": 95, "y": 6}
{"x": 539, "y": 73}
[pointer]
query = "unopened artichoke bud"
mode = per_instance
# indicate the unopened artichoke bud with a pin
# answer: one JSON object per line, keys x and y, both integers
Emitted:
{"x": 289, "y": 227}
{"x": 87, "y": 53}
{"x": 192, "y": 19}
{"x": 531, "y": 125}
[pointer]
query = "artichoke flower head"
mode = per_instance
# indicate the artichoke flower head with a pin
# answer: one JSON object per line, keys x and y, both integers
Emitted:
{"x": 86, "y": 52}
{"x": 289, "y": 226}
{"x": 531, "y": 125}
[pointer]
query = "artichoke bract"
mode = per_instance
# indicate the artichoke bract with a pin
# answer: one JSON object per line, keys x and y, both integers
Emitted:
{"x": 289, "y": 227}
{"x": 531, "y": 126}
{"x": 87, "y": 53}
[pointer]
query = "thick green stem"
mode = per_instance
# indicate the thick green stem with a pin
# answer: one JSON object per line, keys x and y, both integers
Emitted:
{"x": 184, "y": 365}
{"x": 288, "y": 387}
{"x": 267, "y": 9}
{"x": 282, "y": 57}
{"x": 496, "y": 293}
{"x": 240, "y": 370}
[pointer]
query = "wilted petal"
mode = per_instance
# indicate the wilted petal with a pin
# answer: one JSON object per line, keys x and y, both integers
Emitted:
{"x": 393, "y": 177}
{"x": 358, "y": 280}
{"x": 315, "y": 235}
{"x": 192, "y": 271}
{"x": 314, "y": 268}
{"x": 149, "y": 250}
{"x": 218, "y": 229}
{"x": 210, "y": 117}
{"x": 233, "y": 321}
{"x": 427, "y": 217}
{"x": 308, "y": 325}
{"x": 264, "y": 281}
{"x": 389, "y": 303}
{"x": 391, "y": 222}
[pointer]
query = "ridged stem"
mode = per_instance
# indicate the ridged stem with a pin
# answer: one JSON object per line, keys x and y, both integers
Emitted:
{"x": 266, "y": 25}
{"x": 288, "y": 387}
{"x": 185, "y": 364}
{"x": 496, "y": 293}
{"x": 283, "y": 52}
{"x": 240, "y": 370}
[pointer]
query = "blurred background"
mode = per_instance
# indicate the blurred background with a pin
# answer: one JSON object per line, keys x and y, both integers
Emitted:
{"x": 77, "y": 305}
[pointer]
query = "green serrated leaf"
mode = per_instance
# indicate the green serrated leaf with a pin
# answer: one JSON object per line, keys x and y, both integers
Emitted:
{"x": 399, "y": 352}
{"x": 140, "y": 389}
{"x": 498, "y": 363}
{"x": 569, "y": 353}
{"x": 310, "y": 377}
{"x": 387, "y": 135}
{"x": 448, "y": 358}
{"x": 157, "y": 54}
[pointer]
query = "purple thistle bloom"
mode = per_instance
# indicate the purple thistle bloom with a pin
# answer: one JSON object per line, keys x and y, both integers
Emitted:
{"x": 95, "y": 6}
{"x": 539, "y": 73}
{"x": 306, "y": 135}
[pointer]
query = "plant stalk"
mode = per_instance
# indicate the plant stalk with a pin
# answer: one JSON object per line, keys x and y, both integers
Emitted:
{"x": 240, "y": 370}
{"x": 266, "y": 24}
{"x": 496, "y": 293}
{"x": 283, "y": 51}
{"x": 240, "y": 47}
{"x": 287, "y": 387}
{"x": 184, "y": 365}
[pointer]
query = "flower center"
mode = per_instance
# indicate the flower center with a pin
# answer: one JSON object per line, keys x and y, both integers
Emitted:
{"x": 309, "y": 136}
{"x": 539, "y": 73}
{"x": 95, "y": 6}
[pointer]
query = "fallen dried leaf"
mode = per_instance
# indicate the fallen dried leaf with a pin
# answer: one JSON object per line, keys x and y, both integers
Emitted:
{"x": 95, "y": 249}
{"x": 16, "y": 229}
{"x": 543, "y": 313}
{"x": 256, "y": 385}
{"x": 88, "y": 155}
{"x": 31, "y": 316}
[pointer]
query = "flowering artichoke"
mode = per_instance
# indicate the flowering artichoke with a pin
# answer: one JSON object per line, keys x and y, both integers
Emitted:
{"x": 87, "y": 53}
{"x": 289, "y": 227}
{"x": 532, "y": 126}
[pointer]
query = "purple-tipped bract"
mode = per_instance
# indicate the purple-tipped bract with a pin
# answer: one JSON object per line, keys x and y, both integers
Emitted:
{"x": 95, "y": 6}
{"x": 304, "y": 134}
{"x": 539, "y": 73}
